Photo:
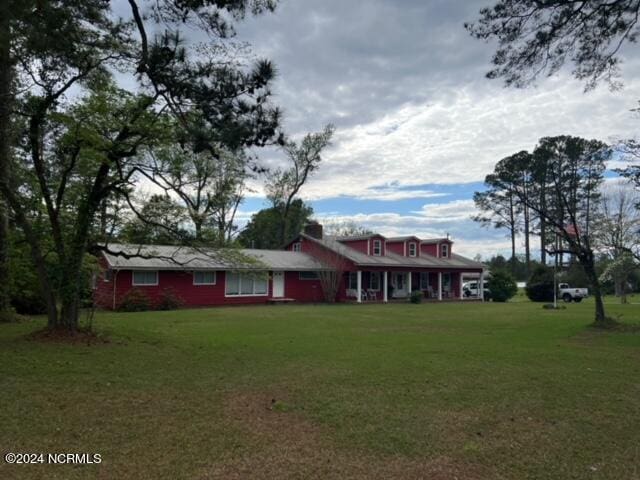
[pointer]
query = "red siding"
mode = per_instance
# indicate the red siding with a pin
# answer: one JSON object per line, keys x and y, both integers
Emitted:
{"x": 359, "y": 245}
{"x": 302, "y": 290}
{"x": 199, "y": 295}
{"x": 429, "y": 248}
{"x": 396, "y": 247}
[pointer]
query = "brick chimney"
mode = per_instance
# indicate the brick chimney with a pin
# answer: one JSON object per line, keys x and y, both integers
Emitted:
{"x": 313, "y": 229}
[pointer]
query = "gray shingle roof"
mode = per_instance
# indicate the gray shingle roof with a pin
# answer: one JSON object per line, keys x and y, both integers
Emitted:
{"x": 164, "y": 257}
{"x": 394, "y": 260}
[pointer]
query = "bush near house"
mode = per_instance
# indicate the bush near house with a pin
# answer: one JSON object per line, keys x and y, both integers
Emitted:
{"x": 135, "y": 301}
{"x": 502, "y": 286}
{"x": 416, "y": 296}
{"x": 170, "y": 300}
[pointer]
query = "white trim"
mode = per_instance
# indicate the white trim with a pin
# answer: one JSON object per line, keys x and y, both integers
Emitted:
{"x": 385, "y": 296}
{"x": 368, "y": 246}
{"x": 133, "y": 278}
{"x": 359, "y": 283}
{"x": 379, "y": 254}
{"x": 415, "y": 249}
{"x": 233, "y": 295}
{"x": 297, "y": 247}
{"x": 446, "y": 245}
{"x": 215, "y": 277}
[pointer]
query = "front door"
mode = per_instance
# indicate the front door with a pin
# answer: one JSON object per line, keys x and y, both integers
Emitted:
{"x": 278, "y": 284}
{"x": 401, "y": 287}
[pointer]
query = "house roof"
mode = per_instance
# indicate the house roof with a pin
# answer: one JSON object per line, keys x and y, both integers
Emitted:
{"x": 402, "y": 239}
{"x": 165, "y": 257}
{"x": 393, "y": 259}
{"x": 351, "y": 238}
{"x": 430, "y": 241}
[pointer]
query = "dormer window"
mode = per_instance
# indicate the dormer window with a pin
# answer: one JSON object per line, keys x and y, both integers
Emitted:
{"x": 377, "y": 247}
{"x": 412, "y": 249}
{"x": 444, "y": 250}
{"x": 297, "y": 247}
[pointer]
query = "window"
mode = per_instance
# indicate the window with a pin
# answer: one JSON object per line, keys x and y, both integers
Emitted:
{"x": 412, "y": 249}
{"x": 243, "y": 284}
{"x": 297, "y": 247}
{"x": 353, "y": 280}
{"x": 377, "y": 247}
{"x": 374, "y": 281}
{"x": 204, "y": 278}
{"x": 143, "y": 277}
{"x": 424, "y": 280}
{"x": 108, "y": 275}
{"x": 444, "y": 250}
{"x": 309, "y": 276}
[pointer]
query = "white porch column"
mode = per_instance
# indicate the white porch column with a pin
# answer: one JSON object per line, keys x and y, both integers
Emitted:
{"x": 359, "y": 283}
{"x": 460, "y": 286}
{"x": 439, "y": 285}
{"x": 384, "y": 288}
{"x": 481, "y": 286}
{"x": 409, "y": 283}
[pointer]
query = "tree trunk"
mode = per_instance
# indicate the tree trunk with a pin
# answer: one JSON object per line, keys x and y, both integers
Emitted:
{"x": 527, "y": 234}
{"x": 513, "y": 236}
{"x": 6, "y": 82}
{"x": 543, "y": 244}
{"x": 588, "y": 263}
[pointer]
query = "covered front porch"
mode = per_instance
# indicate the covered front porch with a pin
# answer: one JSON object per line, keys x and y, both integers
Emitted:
{"x": 388, "y": 285}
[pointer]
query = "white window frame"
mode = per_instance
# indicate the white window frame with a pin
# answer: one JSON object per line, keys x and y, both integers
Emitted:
{"x": 240, "y": 275}
{"x": 133, "y": 278}
{"x": 297, "y": 247}
{"x": 377, "y": 242}
{"x": 308, "y": 279}
{"x": 371, "y": 277}
{"x": 415, "y": 249}
{"x": 215, "y": 278}
{"x": 444, "y": 250}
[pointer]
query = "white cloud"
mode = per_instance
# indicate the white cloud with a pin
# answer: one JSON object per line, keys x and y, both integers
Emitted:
{"x": 460, "y": 135}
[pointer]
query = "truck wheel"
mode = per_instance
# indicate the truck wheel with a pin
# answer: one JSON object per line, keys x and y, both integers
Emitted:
{"x": 577, "y": 299}
{"x": 566, "y": 297}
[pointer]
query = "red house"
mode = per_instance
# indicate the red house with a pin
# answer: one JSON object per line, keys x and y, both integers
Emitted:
{"x": 364, "y": 268}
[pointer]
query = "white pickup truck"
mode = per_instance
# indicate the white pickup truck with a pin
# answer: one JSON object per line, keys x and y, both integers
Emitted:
{"x": 567, "y": 293}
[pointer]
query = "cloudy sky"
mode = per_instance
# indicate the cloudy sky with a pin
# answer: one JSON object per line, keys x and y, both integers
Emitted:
{"x": 418, "y": 125}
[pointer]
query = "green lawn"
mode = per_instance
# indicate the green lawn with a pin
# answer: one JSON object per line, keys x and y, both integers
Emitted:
{"x": 468, "y": 391}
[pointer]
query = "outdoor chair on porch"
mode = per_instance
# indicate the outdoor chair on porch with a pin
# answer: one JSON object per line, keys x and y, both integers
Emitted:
{"x": 372, "y": 294}
{"x": 430, "y": 292}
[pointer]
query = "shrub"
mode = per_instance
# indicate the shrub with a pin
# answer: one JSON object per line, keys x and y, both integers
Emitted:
{"x": 135, "y": 301}
{"x": 416, "y": 296}
{"x": 170, "y": 300}
{"x": 502, "y": 286}
{"x": 540, "y": 285}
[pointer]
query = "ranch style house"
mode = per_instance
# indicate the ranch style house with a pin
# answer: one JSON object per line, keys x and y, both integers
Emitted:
{"x": 366, "y": 268}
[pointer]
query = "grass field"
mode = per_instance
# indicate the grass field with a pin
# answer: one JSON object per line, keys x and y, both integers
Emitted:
{"x": 467, "y": 391}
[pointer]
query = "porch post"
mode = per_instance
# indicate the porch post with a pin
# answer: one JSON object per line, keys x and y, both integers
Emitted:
{"x": 409, "y": 283}
{"x": 359, "y": 283}
{"x": 481, "y": 285}
{"x": 439, "y": 285}
{"x": 460, "y": 286}
{"x": 384, "y": 288}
